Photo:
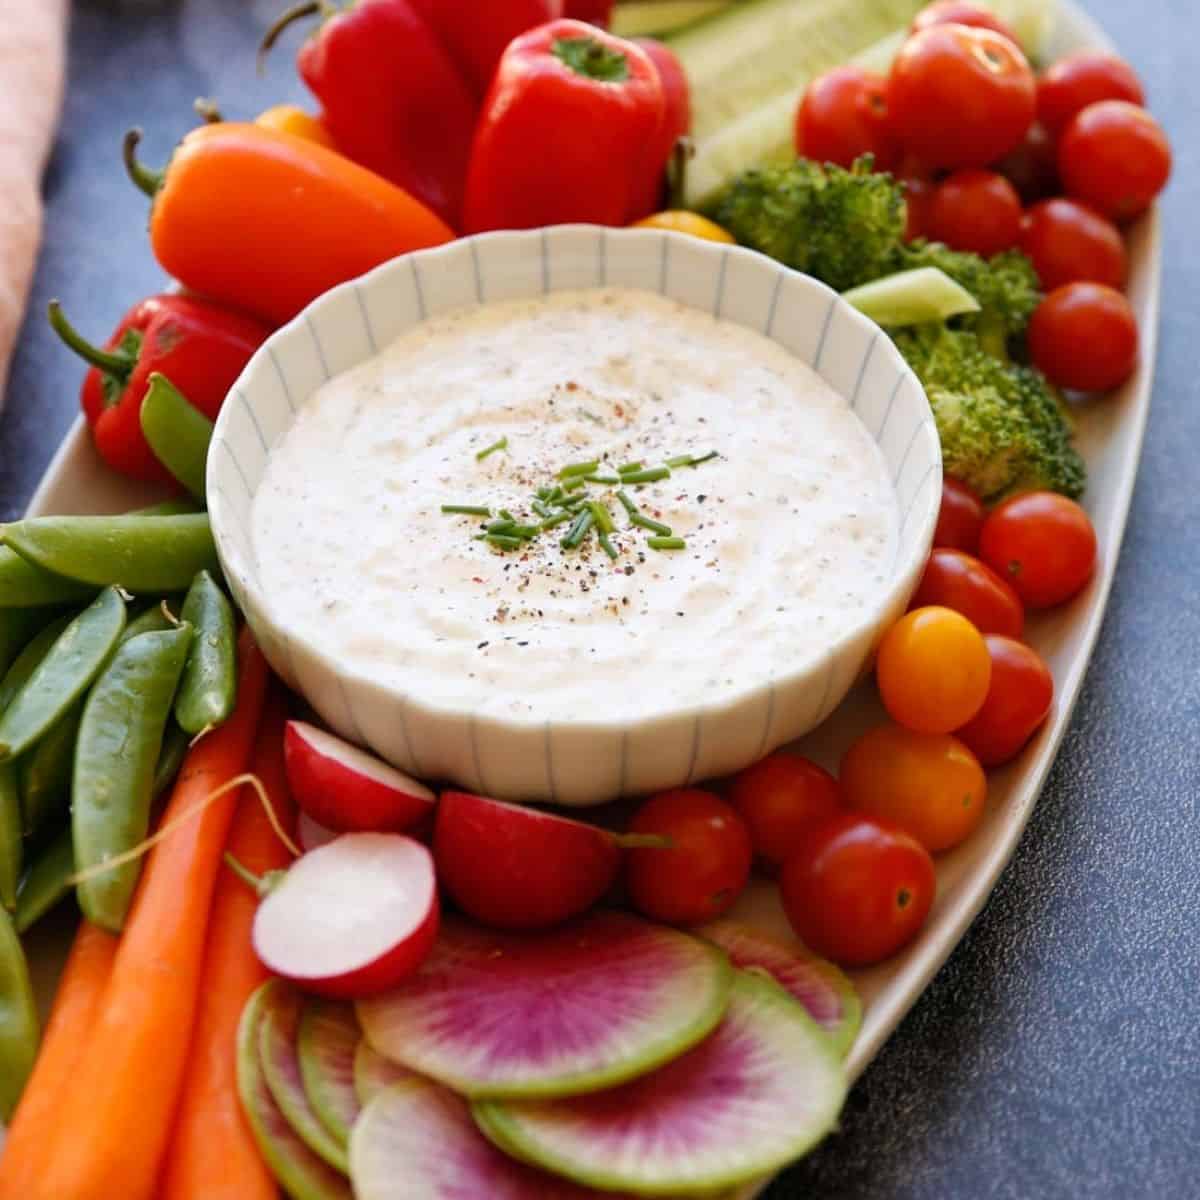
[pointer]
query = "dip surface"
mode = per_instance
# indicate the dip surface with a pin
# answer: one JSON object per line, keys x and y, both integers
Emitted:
{"x": 791, "y": 532}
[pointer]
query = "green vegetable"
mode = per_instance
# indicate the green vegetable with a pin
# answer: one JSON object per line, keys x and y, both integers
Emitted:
{"x": 467, "y": 510}
{"x": 502, "y": 444}
{"x": 44, "y": 774}
{"x": 12, "y": 848}
{"x": 18, "y": 1019}
{"x": 26, "y": 585}
{"x": 17, "y": 626}
{"x": 915, "y": 297}
{"x": 47, "y": 882}
{"x": 174, "y": 750}
{"x": 151, "y": 619}
{"x": 177, "y": 432}
{"x": 208, "y": 689}
{"x": 658, "y": 18}
{"x": 666, "y": 543}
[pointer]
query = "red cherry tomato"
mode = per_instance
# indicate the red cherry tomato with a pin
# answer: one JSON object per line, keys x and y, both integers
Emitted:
{"x": 918, "y": 207}
{"x": 1018, "y": 700}
{"x": 1069, "y": 242}
{"x": 1084, "y": 336}
{"x": 779, "y": 799}
{"x": 961, "y": 12}
{"x": 1080, "y": 79}
{"x": 1115, "y": 157}
{"x": 976, "y": 210}
{"x": 706, "y": 867}
{"x": 960, "y": 97}
{"x": 857, "y": 890}
{"x": 960, "y": 517}
{"x": 956, "y": 580}
{"x": 1032, "y": 168}
{"x": 844, "y": 114}
{"x": 1043, "y": 544}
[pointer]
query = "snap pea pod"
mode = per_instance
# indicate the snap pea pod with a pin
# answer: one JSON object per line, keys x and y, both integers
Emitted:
{"x": 174, "y": 750}
{"x": 208, "y": 689}
{"x": 44, "y": 773}
{"x": 66, "y": 672}
{"x": 140, "y": 554}
{"x": 46, "y": 883}
{"x": 17, "y": 626}
{"x": 24, "y": 584}
{"x": 18, "y": 1019}
{"x": 115, "y": 759}
{"x": 165, "y": 508}
{"x": 177, "y": 432}
{"x": 149, "y": 620}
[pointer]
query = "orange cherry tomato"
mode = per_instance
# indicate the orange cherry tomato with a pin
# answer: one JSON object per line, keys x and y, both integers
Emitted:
{"x": 1084, "y": 336}
{"x": 960, "y": 517}
{"x": 976, "y": 210}
{"x": 1018, "y": 700}
{"x": 287, "y": 118}
{"x": 962, "y": 582}
{"x": 928, "y": 784}
{"x": 933, "y": 670}
{"x": 680, "y": 221}
{"x": 1086, "y": 77}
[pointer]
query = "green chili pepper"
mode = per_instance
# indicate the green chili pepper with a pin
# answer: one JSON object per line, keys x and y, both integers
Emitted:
{"x": 18, "y": 1019}
{"x": 115, "y": 759}
{"x": 44, "y": 773}
{"x": 209, "y": 686}
{"x": 140, "y": 554}
{"x": 46, "y": 883}
{"x": 17, "y": 626}
{"x": 149, "y": 620}
{"x": 177, "y": 432}
{"x": 174, "y": 750}
{"x": 66, "y": 672}
{"x": 26, "y": 585}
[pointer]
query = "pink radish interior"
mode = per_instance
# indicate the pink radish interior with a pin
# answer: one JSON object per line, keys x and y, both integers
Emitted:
{"x": 345, "y": 905}
{"x": 360, "y": 762}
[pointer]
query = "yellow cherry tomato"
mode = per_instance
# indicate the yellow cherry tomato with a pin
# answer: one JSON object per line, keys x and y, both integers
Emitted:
{"x": 678, "y": 220}
{"x": 933, "y": 670}
{"x": 287, "y": 118}
{"x": 929, "y": 784}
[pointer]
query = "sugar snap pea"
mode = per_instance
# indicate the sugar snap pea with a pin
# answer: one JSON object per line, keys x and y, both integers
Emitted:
{"x": 47, "y": 882}
{"x": 24, "y": 584}
{"x": 177, "y": 432}
{"x": 17, "y": 626}
{"x": 115, "y": 758}
{"x": 174, "y": 750}
{"x": 66, "y": 672}
{"x": 12, "y": 848}
{"x": 140, "y": 554}
{"x": 209, "y": 686}
{"x": 165, "y": 508}
{"x": 44, "y": 773}
{"x": 149, "y": 620}
{"x": 18, "y": 1019}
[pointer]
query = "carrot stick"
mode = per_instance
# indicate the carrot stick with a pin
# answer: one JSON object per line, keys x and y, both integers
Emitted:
{"x": 79, "y": 994}
{"x": 210, "y": 1114}
{"x": 112, "y": 1125}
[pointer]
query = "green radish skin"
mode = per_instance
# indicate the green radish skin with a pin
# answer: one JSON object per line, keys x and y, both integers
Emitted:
{"x": 373, "y": 1073}
{"x": 302, "y": 1174}
{"x": 760, "y": 1092}
{"x": 328, "y": 1039}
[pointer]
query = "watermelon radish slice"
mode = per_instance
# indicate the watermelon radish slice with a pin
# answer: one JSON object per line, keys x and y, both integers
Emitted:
{"x": 761, "y": 1091}
{"x": 303, "y": 1175}
{"x": 821, "y": 987}
{"x": 373, "y": 1073}
{"x": 329, "y": 1035}
{"x": 278, "y": 1033}
{"x": 416, "y": 1141}
{"x": 575, "y": 1009}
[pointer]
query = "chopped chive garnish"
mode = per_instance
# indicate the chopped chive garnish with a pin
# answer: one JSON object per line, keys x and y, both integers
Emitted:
{"x": 501, "y": 526}
{"x": 557, "y": 519}
{"x": 578, "y": 530}
{"x": 666, "y": 543}
{"x": 648, "y": 523}
{"x": 631, "y": 466}
{"x": 581, "y": 468}
{"x": 576, "y": 481}
{"x": 680, "y": 460}
{"x": 507, "y": 515}
{"x": 467, "y": 510}
{"x": 538, "y": 507}
{"x": 502, "y": 444}
{"x": 604, "y": 521}
{"x": 630, "y": 507}
{"x": 525, "y": 532}
{"x": 607, "y": 546}
{"x": 556, "y": 494}
{"x": 480, "y": 537}
{"x": 504, "y": 541}
{"x": 704, "y": 458}
{"x": 648, "y": 476}
{"x": 603, "y": 478}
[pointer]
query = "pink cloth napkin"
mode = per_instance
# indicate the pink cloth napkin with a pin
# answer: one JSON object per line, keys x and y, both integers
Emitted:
{"x": 32, "y": 37}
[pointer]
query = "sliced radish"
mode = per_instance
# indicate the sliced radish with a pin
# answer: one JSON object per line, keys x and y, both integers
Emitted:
{"x": 373, "y": 1073}
{"x": 311, "y": 835}
{"x": 351, "y": 918}
{"x": 347, "y": 789}
{"x": 328, "y": 1038}
{"x": 761, "y": 1091}
{"x": 585, "y": 1006}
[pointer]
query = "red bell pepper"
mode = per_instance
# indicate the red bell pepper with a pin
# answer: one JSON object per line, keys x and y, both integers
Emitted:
{"x": 566, "y": 131}
{"x": 597, "y": 12}
{"x": 677, "y": 121}
{"x": 199, "y": 347}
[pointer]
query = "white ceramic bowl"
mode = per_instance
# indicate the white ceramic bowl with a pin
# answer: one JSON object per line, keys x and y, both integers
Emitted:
{"x": 574, "y": 761}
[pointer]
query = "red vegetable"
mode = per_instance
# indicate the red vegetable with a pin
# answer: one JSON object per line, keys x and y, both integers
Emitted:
{"x": 677, "y": 122}
{"x": 1069, "y": 242}
{"x": 976, "y": 210}
{"x": 960, "y": 517}
{"x": 844, "y": 114}
{"x": 1018, "y": 699}
{"x": 1084, "y": 78}
{"x": 1084, "y": 336}
{"x": 564, "y": 131}
{"x": 961, "y": 12}
{"x": 200, "y": 347}
{"x": 956, "y": 580}
{"x": 598, "y": 12}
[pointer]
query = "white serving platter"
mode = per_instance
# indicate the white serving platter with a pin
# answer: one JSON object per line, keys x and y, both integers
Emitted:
{"x": 1110, "y": 432}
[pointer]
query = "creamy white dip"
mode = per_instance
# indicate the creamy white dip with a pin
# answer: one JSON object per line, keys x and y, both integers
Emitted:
{"x": 790, "y": 532}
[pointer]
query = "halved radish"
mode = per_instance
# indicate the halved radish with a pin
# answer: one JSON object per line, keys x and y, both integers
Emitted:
{"x": 328, "y": 1038}
{"x": 761, "y": 1091}
{"x": 347, "y": 789}
{"x": 583, "y": 1007}
{"x": 352, "y": 918}
{"x": 373, "y": 1073}
{"x": 311, "y": 835}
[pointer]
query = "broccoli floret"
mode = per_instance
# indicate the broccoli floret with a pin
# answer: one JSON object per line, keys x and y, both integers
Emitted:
{"x": 1001, "y": 426}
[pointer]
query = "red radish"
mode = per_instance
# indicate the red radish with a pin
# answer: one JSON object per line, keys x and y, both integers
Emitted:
{"x": 350, "y": 919}
{"x": 310, "y": 835}
{"x": 347, "y": 789}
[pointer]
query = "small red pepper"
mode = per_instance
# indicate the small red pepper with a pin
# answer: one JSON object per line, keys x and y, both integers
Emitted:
{"x": 199, "y": 347}
{"x": 677, "y": 122}
{"x": 566, "y": 133}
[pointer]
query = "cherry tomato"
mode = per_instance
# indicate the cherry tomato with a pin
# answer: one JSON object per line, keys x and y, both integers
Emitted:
{"x": 956, "y": 580}
{"x": 1043, "y": 544}
{"x": 1032, "y": 168}
{"x": 1084, "y": 336}
{"x": 918, "y": 207}
{"x": 706, "y": 867}
{"x": 933, "y": 670}
{"x": 976, "y": 210}
{"x": 960, "y": 517}
{"x": 779, "y": 799}
{"x": 1115, "y": 157}
{"x": 857, "y": 890}
{"x": 1085, "y": 77}
{"x": 928, "y": 784}
{"x": 681, "y": 221}
{"x": 960, "y": 97}
{"x": 1069, "y": 242}
{"x": 1018, "y": 700}
{"x": 961, "y": 12}
{"x": 844, "y": 114}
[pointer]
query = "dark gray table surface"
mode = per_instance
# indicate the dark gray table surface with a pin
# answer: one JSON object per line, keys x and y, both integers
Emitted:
{"x": 1057, "y": 1053}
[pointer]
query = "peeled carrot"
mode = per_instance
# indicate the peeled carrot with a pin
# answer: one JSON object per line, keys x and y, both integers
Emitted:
{"x": 110, "y": 1132}
{"x": 210, "y": 1114}
{"x": 80, "y": 990}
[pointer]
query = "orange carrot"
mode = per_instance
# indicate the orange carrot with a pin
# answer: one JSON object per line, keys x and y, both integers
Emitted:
{"x": 75, "y": 1003}
{"x": 212, "y": 1154}
{"x": 110, "y": 1132}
